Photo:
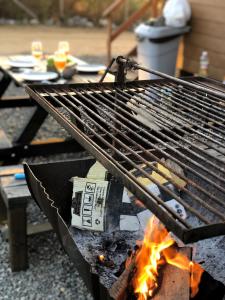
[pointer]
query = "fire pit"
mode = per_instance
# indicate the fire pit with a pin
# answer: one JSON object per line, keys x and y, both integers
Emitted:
{"x": 175, "y": 129}
{"x": 105, "y": 259}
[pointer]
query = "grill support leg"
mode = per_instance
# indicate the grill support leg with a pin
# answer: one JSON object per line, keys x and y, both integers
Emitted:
{"x": 17, "y": 221}
{"x": 4, "y": 83}
{"x": 32, "y": 126}
{"x": 3, "y": 211}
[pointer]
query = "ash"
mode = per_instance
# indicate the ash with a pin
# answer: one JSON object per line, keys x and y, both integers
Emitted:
{"x": 210, "y": 254}
{"x": 114, "y": 246}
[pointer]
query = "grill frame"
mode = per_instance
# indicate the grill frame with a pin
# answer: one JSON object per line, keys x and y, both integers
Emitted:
{"x": 187, "y": 235}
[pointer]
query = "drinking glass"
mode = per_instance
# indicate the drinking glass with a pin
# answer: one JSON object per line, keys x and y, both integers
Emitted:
{"x": 60, "y": 59}
{"x": 64, "y": 46}
{"x": 37, "y": 50}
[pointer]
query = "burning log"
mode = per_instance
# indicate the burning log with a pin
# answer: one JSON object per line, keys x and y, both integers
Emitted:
{"x": 175, "y": 282}
{"x": 118, "y": 290}
{"x": 158, "y": 269}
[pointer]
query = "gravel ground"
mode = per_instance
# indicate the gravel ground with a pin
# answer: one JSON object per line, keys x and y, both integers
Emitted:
{"x": 51, "y": 275}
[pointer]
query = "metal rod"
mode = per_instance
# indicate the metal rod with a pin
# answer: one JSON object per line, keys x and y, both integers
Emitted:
{"x": 179, "y": 116}
{"x": 174, "y": 79}
{"x": 107, "y": 70}
{"x": 186, "y": 119}
{"x": 205, "y": 82}
{"x": 197, "y": 199}
{"x": 151, "y": 155}
{"x": 198, "y": 103}
{"x": 156, "y": 198}
{"x": 188, "y": 207}
{"x": 141, "y": 138}
{"x": 187, "y": 149}
{"x": 179, "y": 103}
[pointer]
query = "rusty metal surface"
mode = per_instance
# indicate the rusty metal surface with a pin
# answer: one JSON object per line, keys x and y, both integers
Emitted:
{"x": 184, "y": 123}
{"x": 46, "y": 189}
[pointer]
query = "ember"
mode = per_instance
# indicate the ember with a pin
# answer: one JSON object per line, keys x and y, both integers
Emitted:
{"x": 101, "y": 257}
{"x": 157, "y": 249}
{"x": 105, "y": 261}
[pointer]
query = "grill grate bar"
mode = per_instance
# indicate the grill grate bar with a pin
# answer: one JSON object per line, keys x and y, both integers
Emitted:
{"x": 165, "y": 128}
{"x": 217, "y": 105}
{"x": 194, "y": 120}
{"x": 178, "y": 118}
{"x": 140, "y": 158}
{"x": 141, "y": 138}
{"x": 162, "y": 118}
{"x": 119, "y": 153}
{"x": 78, "y": 102}
{"x": 195, "y": 111}
{"x": 198, "y": 103}
{"x": 209, "y": 83}
{"x": 188, "y": 150}
{"x": 170, "y": 128}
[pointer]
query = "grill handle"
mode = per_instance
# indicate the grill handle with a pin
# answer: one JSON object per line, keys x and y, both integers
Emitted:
{"x": 130, "y": 64}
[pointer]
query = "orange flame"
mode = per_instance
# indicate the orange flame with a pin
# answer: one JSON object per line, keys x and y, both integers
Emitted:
{"x": 101, "y": 257}
{"x": 157, "y": 250}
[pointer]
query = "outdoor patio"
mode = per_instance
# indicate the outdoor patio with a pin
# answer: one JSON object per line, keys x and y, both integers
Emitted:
{"x": 153, "y": 117}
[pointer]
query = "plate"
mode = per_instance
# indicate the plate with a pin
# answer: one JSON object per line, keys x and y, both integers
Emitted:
{"x": 39, "y": 76}
{"x": 90, "y": 68}
{"x": 25, "y": 61}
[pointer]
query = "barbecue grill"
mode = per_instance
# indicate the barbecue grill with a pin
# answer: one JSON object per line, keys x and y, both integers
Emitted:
{"x": 129, "y": 125}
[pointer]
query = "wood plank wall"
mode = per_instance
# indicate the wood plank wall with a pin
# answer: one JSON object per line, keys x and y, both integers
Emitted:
{"x": 208, "y": 33}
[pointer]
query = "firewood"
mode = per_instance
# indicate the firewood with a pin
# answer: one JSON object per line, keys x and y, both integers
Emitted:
{"x": 118, "y": 289}
{"x": 175, "y": 282}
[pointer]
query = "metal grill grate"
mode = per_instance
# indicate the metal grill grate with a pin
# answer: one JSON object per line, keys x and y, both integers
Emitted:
{"x": 129, "y": 127}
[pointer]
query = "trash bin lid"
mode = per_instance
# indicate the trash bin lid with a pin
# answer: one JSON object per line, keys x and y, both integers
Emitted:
{"x": 155, "y": 33}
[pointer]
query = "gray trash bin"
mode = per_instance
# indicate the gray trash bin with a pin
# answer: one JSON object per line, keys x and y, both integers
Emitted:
{"x": 158, "y": 47}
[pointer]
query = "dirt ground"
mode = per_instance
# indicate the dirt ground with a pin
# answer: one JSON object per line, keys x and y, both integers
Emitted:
{"x": 84, "y": 42}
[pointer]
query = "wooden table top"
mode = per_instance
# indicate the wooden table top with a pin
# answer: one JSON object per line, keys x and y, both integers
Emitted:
{"x": 77, "y": 78}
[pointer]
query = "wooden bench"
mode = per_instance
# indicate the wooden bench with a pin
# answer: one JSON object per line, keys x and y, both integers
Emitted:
{"x": 14, "y": 197}
{"x": 4, "y": 143}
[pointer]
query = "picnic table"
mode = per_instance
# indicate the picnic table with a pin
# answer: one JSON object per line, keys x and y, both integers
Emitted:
{"x": 11, "y": 76}
{"x": 14, "y": 194}
{"x": 23, "y": 145}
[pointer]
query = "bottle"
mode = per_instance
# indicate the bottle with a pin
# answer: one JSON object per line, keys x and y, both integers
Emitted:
{"x": 204, "y": 64}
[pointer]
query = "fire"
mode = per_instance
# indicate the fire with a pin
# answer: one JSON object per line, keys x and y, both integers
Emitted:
{"x": 101, "y": 257}
{"x": 156, "y": 250}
